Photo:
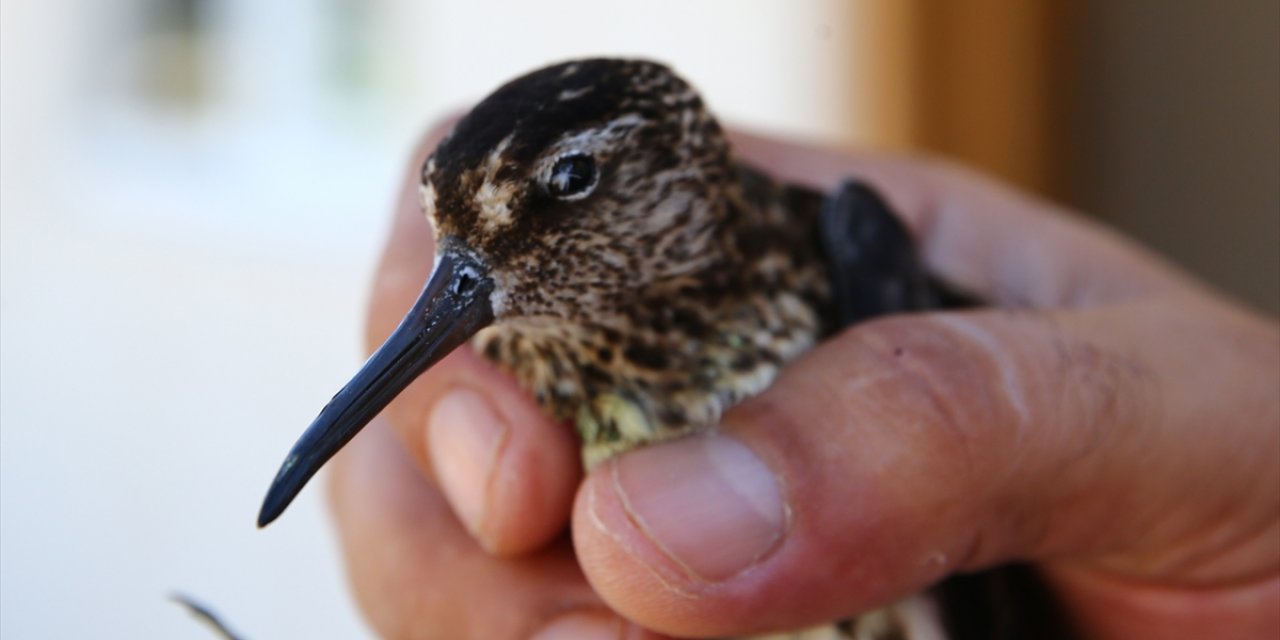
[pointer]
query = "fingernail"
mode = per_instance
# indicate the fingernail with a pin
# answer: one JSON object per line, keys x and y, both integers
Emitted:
{"x": 708, "y": 503}
{"x": 582, "y": 626}
{"x": 465, "y": 437}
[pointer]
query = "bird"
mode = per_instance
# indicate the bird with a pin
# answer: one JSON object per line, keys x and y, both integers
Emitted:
{"x": 598, "y": 239}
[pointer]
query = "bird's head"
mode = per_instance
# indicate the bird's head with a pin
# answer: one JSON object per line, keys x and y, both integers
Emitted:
{"x": 557, "y": 198}
{"x": 576, "y": 185}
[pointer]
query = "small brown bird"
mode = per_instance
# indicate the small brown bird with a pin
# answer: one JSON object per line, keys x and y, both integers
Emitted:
{"x": 597, "y": 239}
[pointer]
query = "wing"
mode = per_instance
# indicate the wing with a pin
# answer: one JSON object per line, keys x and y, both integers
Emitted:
{"x": 874, "y": 264}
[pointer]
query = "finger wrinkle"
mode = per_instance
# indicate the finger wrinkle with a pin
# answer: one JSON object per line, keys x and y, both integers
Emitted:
{"x": 933, "y": 364}
{"x": 620, "y": 540}
{"x": 996, "y": 351}
{"x": 638, "y": 523}
{"x": 972, "y": 551}
{"x": 1099, "y": 388}
{"x": 490, "y": 484}
{"x": 947, "y": 410}
{"x": 1206, "y": 555}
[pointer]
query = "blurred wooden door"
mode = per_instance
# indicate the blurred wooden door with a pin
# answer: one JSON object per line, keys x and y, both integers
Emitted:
{"x": 1162, "y": 118}
{"x": 981, "y": 81}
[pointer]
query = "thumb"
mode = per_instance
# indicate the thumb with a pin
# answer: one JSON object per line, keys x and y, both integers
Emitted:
{"x": 911, "y": 448}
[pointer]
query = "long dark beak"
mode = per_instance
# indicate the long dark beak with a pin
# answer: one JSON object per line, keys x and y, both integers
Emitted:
{"x": 453, "y": 306}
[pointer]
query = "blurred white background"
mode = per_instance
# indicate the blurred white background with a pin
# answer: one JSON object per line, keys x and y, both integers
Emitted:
{"x": 193, "y": 195}
{"x": 193, "y": 192}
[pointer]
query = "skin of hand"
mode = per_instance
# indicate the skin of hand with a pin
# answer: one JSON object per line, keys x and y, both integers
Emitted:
{"x": 1110, "y": 420}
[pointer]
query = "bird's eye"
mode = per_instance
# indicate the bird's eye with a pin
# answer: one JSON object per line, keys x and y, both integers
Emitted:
{"x": 573, "y": 176}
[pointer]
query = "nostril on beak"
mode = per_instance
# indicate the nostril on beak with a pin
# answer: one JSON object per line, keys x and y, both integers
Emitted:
{"x": 464, "y": 282}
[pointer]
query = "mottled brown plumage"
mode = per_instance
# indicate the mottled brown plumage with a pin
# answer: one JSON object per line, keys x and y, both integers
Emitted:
{"x": 675, "y": 287}
{"x": 597, "y": 238}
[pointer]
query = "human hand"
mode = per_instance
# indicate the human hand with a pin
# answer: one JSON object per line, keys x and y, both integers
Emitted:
{"x": 1113, "y": 422}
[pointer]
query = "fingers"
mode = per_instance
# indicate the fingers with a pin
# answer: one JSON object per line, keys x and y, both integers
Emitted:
{"x": 1114, "y": 607}
{"x": 915, "y": 447}
{"x": 417, "y": 574}
{"x": 513, "y": 486}
{"x": 507, "y": 470}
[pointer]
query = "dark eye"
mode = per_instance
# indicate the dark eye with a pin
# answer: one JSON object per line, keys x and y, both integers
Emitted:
{"x": 572, "y": 176}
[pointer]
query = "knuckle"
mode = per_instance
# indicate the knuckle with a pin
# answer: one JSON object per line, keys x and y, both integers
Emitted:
{"x": 1102, "y": 392}
{"x": 956, "y": 378}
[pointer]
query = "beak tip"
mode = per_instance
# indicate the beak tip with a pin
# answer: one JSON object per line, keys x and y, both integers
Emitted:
{"x": 453, "y": 305}
{"x": 265, "y": 518}
{"x": 278, "y": 498}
